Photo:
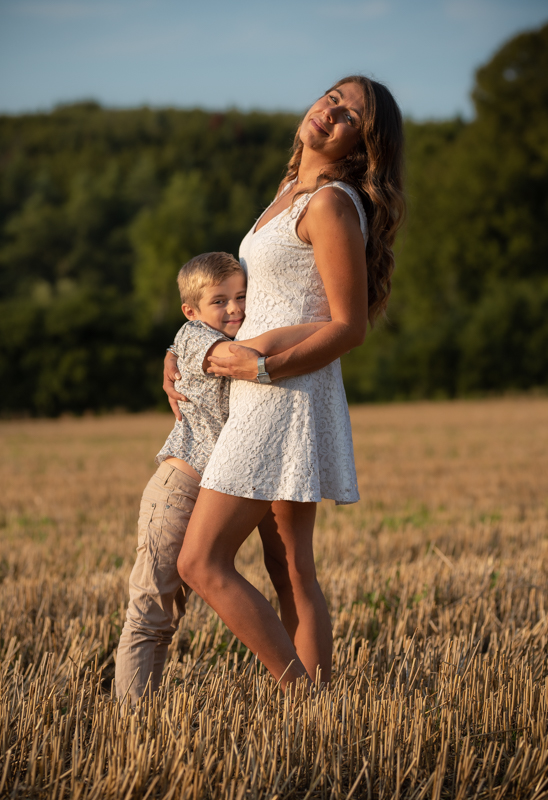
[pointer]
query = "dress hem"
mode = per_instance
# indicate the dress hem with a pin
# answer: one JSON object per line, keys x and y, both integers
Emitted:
{"x": 256, "y": 495}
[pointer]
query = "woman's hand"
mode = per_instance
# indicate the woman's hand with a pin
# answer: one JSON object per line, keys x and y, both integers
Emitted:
{"x": 242, "y": 364}
{"x": 171, "y": 374}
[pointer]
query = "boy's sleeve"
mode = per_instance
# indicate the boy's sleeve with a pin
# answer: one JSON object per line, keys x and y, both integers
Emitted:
{"x": 179, "y": 341}
{"x": 199, "y": 339}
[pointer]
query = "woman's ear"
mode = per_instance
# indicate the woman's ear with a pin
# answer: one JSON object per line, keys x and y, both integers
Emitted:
{"x": 188, "y": 311}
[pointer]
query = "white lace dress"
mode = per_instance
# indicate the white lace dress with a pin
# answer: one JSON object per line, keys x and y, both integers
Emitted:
{"x": 289, "y": 440}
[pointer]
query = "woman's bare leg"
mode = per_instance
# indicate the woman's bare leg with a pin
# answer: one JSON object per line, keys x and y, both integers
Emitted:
{"x": 219, "y": 524}
{"x": 286, "y": 531}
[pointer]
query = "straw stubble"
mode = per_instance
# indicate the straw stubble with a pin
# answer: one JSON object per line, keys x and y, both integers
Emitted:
{"x": 436, "y": 584}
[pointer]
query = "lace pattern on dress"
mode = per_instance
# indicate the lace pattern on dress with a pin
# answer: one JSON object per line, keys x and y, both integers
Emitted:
{"x": 290, "y": 440}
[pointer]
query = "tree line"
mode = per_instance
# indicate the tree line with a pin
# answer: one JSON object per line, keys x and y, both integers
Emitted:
{"x": 99, "y": 208}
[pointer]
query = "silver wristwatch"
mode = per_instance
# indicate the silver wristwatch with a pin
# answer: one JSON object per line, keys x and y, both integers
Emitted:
{"x": 262, "y": 374}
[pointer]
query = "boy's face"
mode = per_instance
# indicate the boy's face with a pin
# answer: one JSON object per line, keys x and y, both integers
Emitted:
{"x": 222, "y": 306}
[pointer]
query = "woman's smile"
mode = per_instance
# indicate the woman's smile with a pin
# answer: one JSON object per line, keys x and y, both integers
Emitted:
{"x": 319, "y": 127}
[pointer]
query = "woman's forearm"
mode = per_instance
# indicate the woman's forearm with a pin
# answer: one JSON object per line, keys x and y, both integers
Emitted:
{"x": 270, "y": 342}
{"x": 315, "y": 352}
{"x": 278, "y": 340}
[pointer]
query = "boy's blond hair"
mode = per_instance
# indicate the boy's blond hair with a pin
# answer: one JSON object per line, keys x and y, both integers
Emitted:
{"x": 207, "y": 269}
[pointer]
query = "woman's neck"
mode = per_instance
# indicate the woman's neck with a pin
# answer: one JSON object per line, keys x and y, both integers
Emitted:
{"x": 311, "y": 165}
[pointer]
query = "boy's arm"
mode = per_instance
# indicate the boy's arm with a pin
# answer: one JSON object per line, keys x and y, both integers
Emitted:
{"x": 269, "y": 343}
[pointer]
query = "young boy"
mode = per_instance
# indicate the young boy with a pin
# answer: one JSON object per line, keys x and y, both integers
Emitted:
{"x": 212, "y": 288}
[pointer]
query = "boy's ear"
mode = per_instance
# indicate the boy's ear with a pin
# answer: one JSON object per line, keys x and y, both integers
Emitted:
{"x": 188, "y": 311}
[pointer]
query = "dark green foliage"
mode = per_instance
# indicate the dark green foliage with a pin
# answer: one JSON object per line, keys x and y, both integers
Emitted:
{"x": 99, "y": 208}
{"x": 77, "y": 348}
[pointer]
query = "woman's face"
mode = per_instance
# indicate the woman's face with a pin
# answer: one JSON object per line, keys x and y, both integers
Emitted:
{"x": 333, "y": 125}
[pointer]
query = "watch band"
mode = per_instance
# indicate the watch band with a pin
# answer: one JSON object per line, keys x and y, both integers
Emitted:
{"x": 262, "y": 374}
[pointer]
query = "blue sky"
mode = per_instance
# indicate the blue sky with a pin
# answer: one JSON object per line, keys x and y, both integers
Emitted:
{"x": 273, "y": 55}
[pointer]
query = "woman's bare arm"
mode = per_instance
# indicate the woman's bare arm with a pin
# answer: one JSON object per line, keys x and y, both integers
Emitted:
{"x": 268, "y": 343}
{"x": 332, "y": 226}
{"x": 271, "y": 342}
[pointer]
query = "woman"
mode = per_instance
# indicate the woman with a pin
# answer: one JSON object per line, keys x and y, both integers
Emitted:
{"x": 288, "y": 444}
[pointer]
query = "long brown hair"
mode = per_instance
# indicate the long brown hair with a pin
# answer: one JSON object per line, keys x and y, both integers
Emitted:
{"x": 375, "y": 169}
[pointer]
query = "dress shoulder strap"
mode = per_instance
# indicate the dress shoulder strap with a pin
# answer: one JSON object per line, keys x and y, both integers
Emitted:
{"x": 352, "y": 193}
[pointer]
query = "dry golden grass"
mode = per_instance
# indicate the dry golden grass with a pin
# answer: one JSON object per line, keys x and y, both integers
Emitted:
{"x": 436, "y": 582}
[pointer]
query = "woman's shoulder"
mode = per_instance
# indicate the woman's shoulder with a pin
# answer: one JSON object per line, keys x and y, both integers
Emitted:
{"x": 338, "y": 200}
{"x": 335, "y": 193}
{"x": 334, "y": 199}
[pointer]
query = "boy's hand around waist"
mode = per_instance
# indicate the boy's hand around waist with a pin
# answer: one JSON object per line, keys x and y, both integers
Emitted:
{"x": 242, "y": 364}
{"x": 171, "y": 374}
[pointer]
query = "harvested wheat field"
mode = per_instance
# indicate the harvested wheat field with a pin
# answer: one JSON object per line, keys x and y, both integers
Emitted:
{"x": 436, "y": 582}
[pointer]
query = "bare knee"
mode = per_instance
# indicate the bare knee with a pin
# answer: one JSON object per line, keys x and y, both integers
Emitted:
{"x": 206, "y": 578}
{"x": 190, "y": 570}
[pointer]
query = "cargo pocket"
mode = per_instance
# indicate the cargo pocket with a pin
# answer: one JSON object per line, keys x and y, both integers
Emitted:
{"x": 146, "y": 512}
{"x": 177, "y": 511}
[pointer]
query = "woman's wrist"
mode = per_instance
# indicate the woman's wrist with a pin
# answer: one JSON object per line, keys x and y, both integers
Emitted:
{"x": 273, "y": 366}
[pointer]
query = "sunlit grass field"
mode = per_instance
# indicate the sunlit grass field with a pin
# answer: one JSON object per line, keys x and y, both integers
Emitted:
{"x": 437, "y": 587}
